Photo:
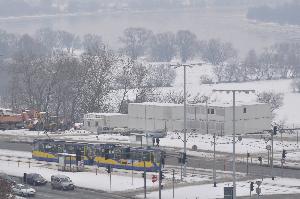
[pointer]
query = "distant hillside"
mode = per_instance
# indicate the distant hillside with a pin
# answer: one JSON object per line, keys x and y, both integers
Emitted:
{"x": 288, "y": 13}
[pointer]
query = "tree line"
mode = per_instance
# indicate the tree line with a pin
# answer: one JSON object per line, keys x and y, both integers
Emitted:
{"x": 286, "y": 13}
{"x": 59, "y": 72}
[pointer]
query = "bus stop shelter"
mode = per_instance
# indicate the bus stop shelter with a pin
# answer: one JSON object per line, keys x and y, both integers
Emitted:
{"x": 68, "y": 162}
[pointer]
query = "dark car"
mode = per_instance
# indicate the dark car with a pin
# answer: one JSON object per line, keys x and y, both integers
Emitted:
{"x": 7, "y": 178}
{"x": 35, "y": 179}
{"x": 62, "y": 182}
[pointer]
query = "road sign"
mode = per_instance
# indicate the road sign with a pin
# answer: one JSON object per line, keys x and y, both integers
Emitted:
{"x": 240, "y": 138}
{"x": 154, "y": 178}
{"x": 228, "y": 192}
{"x": 268, "y": 147}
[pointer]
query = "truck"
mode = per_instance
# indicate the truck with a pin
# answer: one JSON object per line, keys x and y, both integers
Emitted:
{"x": 10, "y": 120}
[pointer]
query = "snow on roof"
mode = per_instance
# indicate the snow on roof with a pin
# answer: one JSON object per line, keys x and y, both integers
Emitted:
{"x": 106, "y": 114}
{"x": 156, "y": 104}
{"x": 216, "y": 104}
{"x": 229, "y": 104}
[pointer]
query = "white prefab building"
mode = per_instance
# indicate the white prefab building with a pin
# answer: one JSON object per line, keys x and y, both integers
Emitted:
{"x": 94, "y": 121}
{"x": 213, "y": 118}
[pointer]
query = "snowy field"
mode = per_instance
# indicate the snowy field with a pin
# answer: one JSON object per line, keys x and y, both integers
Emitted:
{"x": 207, "y": 191}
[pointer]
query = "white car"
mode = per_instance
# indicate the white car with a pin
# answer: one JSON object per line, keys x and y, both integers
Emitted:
{"x": 23, "y": 190}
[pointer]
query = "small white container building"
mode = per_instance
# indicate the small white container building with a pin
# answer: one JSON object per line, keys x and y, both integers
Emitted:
{"x": 213, "y": 118}
{"x": 94, "y": 121}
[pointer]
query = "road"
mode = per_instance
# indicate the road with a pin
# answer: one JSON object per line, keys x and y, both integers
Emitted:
{"x": 254, "y": 169}
{"x": 45, "y": 192}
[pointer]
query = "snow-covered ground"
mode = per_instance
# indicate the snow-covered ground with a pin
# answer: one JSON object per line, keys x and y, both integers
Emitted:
{"x": 207, "y": 191}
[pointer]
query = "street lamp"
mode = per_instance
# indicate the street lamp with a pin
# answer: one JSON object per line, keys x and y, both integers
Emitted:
{"x": 233, "y": 125}
{"x": 184, "y": 105}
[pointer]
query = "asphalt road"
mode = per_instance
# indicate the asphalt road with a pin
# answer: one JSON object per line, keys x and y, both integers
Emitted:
{"x": 254, "y": 169}
{"x": 45, "y": 192}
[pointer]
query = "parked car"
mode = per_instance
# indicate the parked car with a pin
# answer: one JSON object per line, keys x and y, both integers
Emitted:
{"x": 35, "y": 179}
{"x": 23, "y": 190}
{"x": 62, "y": 182}
{"x": 7, "y": 178}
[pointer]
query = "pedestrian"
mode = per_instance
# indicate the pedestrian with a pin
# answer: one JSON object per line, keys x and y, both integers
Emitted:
{"x": 157, "y": 142}
{"x": 153, "y": 141}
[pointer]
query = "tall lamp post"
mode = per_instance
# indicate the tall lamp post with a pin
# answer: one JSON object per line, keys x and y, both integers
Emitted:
{"x": 184, "y": 106}
{"x": 233, "y": 129}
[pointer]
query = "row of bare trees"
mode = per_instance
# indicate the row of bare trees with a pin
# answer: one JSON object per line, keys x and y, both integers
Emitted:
{"x": 51, "y": 74}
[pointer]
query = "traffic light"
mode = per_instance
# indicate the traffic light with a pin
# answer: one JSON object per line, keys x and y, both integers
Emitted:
{"x": 260, "y": 159}
{"x": 183, "y": 158}
{"x": 251, "y": 186}
{"x": 161, "y": 175}
{"x": 143, "y": 175}
{"x": 108, "y": 169}
{"x": 275, "y": 130}
{"x": 284, "y": 154}
{"x": 248, "y": 155}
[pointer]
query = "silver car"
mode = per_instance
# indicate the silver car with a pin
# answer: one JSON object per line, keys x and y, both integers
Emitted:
{"x": 62, "y": 182}
{"x": 23, "y": 190}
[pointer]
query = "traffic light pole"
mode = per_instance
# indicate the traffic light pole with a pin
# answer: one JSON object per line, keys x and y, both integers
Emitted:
{"x": 214, "y": 168}
{"x": 173, "y": 180}
{"x": 110, "y": 181}
{"x": 272, "y": 143}
{"x": 233, "y": 150}
{"x": 160, "y": 175}
{"x": 184, "y": 118}
{"x": 233, "y": 127}
{"x": 145, "y": 188}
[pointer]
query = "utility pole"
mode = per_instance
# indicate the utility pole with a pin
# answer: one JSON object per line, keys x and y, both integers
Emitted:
{"x": 131, "y": 169}
{"x": 206, "y": 115}
{"x": 272, "y": 147}
{"x": 248, "y": 155}
{"x": 233, "y": 126}
{"x": 184, "y": 119}
{"x": 214, "y": 168}
{"x": 160, "y": 176}
{"x": 145, "y": 186}
{"x": 184, "y": 106}
{"x": 173, "y": 180}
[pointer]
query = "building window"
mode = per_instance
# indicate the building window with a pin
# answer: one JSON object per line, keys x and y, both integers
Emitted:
{"x": 245, "y": 110}
{"x": 89, "y": 124}
{"x": 210, "y": 111}
{"x": 96, "y": 123}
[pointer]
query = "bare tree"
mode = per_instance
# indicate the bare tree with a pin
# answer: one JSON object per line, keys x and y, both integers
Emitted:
{"x": 5, "y": 190}
{"x": 187, "y": 44}
{"x": 162, "y": 47}
{"x": 275, "y": 100}
{"x": 135, "y": 41}
{"x": 218, "y": 53}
